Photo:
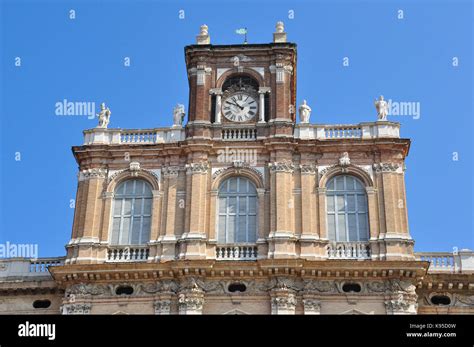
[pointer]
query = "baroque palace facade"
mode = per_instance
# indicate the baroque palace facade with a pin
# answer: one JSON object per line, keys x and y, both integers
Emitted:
{"x": 242, "y": 210}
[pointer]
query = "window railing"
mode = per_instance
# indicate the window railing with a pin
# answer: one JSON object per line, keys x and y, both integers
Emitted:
{"x": 236, "y": 252}
{"x": 348, "y": 250}
{"x": 120, "y": 254}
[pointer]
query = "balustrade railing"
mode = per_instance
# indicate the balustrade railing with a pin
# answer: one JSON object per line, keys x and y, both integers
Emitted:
{"x": 101, "y": 136}
{"x": 236, "y": 252}
{"x": 342, "y": 132}
{"x": 439, "y": 261}
{"x": 372, "y": 130}
{"x": 348, "y": 250}
{"x": 128, "y": 254}
{"x": 42, "y": 264}
{"x": 137, "y": 136}
{"x": 239, "y": 134}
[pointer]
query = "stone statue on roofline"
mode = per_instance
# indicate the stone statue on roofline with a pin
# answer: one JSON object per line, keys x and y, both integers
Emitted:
{"x": 382, "y": 108}
{"x": 178, "y": 115}
{"x": 305, "y": 112}
{"x": 104, "y": 116}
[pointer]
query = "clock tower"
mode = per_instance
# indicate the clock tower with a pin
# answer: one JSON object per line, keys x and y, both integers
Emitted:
{"x": 247, "y": 89}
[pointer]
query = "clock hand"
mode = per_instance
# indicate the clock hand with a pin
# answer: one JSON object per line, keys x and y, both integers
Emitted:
{"x": 234, "y": 103}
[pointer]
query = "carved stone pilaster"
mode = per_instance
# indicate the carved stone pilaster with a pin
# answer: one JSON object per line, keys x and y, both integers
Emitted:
{"x": 311, "y": 305}
{"x": 308, "y": 169}
{"x": 283, "y": 301}
{"x": 170, "y": 171}
{"x": 400, "y": 305}
{"x": 191, "y": 302}
{"x": 284, "y": 166}
{"x": 76, "y": 309}
{"x": 385, "y": 167}
{"x": 404, "y": 299}
{"x": 92, "y": 173}
{"x": 162, "y": 306}
{"x": 191, "y": 296}
{"x": 197, "y": 168}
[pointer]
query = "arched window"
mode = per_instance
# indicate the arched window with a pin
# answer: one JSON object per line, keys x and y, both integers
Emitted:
{"x": 131, "y": 213}
{"x": 347, "y": 216}
{"x": 237, "y": 211}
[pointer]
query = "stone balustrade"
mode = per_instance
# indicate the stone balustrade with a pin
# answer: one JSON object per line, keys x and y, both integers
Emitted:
{"x": 456, "y": 262}
{"x": 119, "y": 254}
{"x": 348, "y": 250}
{"x": 236, "y": 252}
{"x": 239, "y": 134}
{"x": 99, "y": 136}
{"x": 26, "y": 267}
{"x": 42, "y": 264}
{"x": 372, "y": 130}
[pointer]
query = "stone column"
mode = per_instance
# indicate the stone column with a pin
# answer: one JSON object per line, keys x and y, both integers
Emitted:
{"x": 323, "y": 233}
{"x": 195, "y": 235}
{"x": 281, "y": 239}
{"x": 108, "y": 198}
{"x": 168, "y": 238}
{"x": 395, "y": 234}
{"x": 373, "y": 222}
{"x": 261, "y": 237}
{"x": 218, "y": 111}
{"x": 89, "y": 218}
{"x": 214, "y": 193}
{"x": 283, "y": 301}
{"x": 262, "y": 91}
{"x": 308, "y": 211}
{"x": 218, "y": 107}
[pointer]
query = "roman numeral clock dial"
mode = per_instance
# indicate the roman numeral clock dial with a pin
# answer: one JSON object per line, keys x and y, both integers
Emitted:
{"x": 239, "y": 107}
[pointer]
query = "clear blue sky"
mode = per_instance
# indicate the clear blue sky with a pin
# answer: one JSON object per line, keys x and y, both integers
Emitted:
{"x": 82, "y": 60}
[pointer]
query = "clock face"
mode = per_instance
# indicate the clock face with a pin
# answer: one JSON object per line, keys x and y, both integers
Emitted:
{"x": 239, "y": 107}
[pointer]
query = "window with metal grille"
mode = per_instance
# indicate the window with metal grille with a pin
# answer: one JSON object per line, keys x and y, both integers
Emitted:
{"x": 131, "y": 213}
{"x": 237, "y": 211}
{"x": 347, "y": 213}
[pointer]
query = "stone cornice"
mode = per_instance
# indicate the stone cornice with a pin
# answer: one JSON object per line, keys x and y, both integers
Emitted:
{"x": 328, "y": 269}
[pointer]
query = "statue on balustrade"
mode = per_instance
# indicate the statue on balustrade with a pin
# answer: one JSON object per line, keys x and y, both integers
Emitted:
{"x": 178, "y": 115}
{"x": 382, "y": 108}
{"x": 104, "y": 116}
{"x": 305, "y": 112}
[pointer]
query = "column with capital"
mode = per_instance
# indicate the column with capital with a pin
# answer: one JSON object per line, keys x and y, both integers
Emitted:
{"x": 217, "y": 112}
{"x": 262, "y": 91}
